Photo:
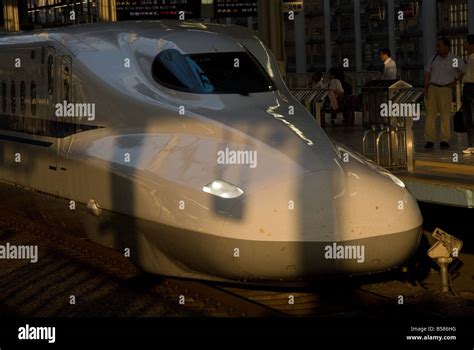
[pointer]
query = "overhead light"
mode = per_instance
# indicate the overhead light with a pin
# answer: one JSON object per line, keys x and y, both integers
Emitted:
{"x": 223, "y": 189}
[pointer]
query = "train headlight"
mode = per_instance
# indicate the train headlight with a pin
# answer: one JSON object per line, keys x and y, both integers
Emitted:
{"x": 223, "y": 189}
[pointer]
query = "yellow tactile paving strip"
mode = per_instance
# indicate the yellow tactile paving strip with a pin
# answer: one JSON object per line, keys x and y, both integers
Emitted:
{"x": 444, "y": 167}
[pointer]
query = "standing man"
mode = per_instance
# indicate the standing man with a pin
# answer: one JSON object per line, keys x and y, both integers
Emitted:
{"x": 390, "y": 67}
{"x": 468, "y": 94}
{"x": 441, "y": 75}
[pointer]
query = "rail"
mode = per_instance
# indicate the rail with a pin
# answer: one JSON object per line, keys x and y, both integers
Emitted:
{"x": 389, "y": 138}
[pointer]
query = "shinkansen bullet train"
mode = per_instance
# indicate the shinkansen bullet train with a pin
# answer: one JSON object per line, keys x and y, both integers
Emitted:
{"x": 179, "y": 144}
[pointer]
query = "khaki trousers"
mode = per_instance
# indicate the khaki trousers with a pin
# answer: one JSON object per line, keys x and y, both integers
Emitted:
{"x": 439, "y": 101}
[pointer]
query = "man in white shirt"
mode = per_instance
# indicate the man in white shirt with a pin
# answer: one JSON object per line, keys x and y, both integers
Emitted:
{"x": 468, "y": 94}
{"x": 390, "y": 67}
{"x": 442, "y": 73}
{"x": 335, "y": 85}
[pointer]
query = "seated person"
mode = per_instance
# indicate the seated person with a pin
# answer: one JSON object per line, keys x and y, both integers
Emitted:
{"x": 336, "y": 94}
{"x": 318, "y": 81}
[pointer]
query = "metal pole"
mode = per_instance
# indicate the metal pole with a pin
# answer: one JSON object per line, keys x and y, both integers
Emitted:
{"x": 409, "y": 144}
{"x": 327, "y": 34}
{"x": 358, "y": 35}
{"x": 300, "y": 42}
{"x": 391, "y": 27}
{"x": 428, "y": 11}
{"x": 443, "y": 265}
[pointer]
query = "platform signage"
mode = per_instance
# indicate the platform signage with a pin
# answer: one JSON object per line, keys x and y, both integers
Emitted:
{"x": 295, "y": 6}
{"x": 157, "y": 9}
{"x": 235, "y": 8}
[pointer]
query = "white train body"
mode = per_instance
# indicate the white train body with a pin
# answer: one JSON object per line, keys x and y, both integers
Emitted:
{"x": 142, "y": 159}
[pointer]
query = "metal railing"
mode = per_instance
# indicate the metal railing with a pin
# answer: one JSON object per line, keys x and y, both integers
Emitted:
{"x": 312, "y": 100}
{"x": 389, "y": 140}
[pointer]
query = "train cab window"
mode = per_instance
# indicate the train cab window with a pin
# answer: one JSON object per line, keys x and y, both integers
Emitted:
{"x": 50, "y": 75}
{"x": 33, "y": 97}
{"x": 13, "y": 96}
{"x": 211, "y": 73}
{"x": 4, "y": 96}
{"x": 22, "y": 97}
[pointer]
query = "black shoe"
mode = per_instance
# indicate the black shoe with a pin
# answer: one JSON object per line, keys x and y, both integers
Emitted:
{"x": 429, "y": 145}
{"x": 443, "y": 145}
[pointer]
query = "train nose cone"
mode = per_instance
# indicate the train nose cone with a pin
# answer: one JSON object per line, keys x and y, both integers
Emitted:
{"x": 379, "y": 216}
{"x": 346, "y": 219}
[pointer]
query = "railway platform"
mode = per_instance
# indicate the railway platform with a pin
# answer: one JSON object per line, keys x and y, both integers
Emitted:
{"x": 444, "y": 177}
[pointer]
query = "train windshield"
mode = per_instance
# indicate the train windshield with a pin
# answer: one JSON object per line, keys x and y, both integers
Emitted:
{"x": 211, "y": 73}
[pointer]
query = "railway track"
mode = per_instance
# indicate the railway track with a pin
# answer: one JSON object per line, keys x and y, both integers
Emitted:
{"x": 318, "y": 301}
{"x": 200, "y": 297}
{"x": 209, "y": 299}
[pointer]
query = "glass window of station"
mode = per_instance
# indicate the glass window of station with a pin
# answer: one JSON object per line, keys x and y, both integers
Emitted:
{"x": 55, "y": 13}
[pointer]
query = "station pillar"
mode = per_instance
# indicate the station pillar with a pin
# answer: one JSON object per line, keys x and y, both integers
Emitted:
{"x": 300, "y": 42}
{"x": 428, "y": 13}
{"x": 391, "y": 28}
{"x": 358, "y": 36}
{"x": 470, "y": 16}
{"x": 327, "y": 34}
{"x": 107, "y": 10}
{"x": 10, "y": 15}
{"x": 270, "y": 29}
{"x": 250, "y": 23}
